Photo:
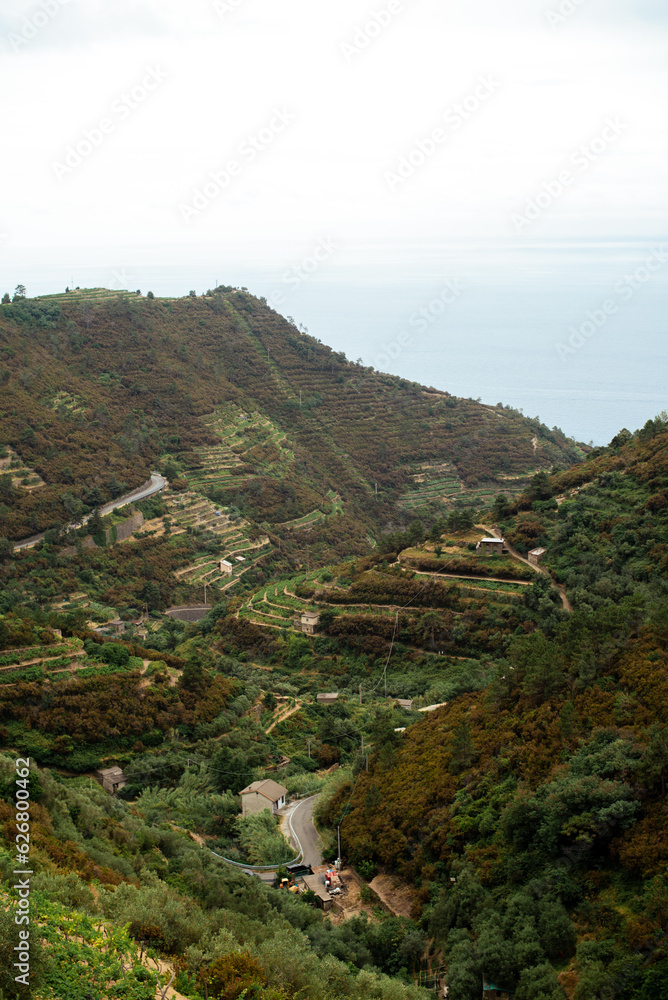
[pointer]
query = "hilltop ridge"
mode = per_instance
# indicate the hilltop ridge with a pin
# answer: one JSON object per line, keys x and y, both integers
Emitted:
{"x": 99, "y": 380}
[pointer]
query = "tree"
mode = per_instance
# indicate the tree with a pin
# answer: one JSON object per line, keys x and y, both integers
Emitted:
{"x": 192, "y": 676}
{"x": 539, "y": 982}
{"x": 95, "y": 523}
{"x": 462, "y": 748}
{"x": 151, "y": 594}
{"x": 269, "y": 701}
{"x": 501, "y": 507}
{"x": 235, "y": 975}
{"x": 5, "y": 298}
{"x": 436, "y": 532}
{"x": 115, "y": 653}
{"x": 19, "y": 292}
{"x": 539, "y": 487}
{"x": 171, "y": 470}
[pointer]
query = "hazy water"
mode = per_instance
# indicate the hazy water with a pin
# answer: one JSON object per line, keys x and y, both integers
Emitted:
{"x": 496, "y": 313}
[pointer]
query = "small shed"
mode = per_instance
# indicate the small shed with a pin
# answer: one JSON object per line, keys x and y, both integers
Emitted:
{"x": 240, "y": 559}
{"x": 307, "y": 622}
{"x": 406, "y": 703}
{"x": 328, "y": 699}
{"x": 259, "y": 795}
{"x": 315, "y": 884}
{"x": 112, "y": 779}
{"x": 117, "y": 626}
{"x": 226, "y": 567}
{"x": 490, "y": 546}
{"x": 536, "y": 556}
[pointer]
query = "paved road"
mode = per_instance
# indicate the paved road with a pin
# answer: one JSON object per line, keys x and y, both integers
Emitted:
{"x": 157, "y": 483}
{"x": 304, "y": 834}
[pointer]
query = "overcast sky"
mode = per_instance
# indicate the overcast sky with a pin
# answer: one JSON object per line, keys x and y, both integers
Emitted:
{"x": 117, "y": 111}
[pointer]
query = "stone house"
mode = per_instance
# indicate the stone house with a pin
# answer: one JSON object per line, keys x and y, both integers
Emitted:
{"x": 112, "y": 779}
{"x": 536, "y": 556}
{"x": 259, "y": 795}
{"x": 490, "y": 546}
{"x": 327, "y": 699}
{"x": 307, "y": 622}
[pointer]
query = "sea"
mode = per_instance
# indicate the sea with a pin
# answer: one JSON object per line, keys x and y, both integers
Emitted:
{"x": 573, "y": 332}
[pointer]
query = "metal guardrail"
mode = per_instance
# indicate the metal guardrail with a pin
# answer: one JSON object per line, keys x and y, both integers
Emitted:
{"x": 256, "y": 868}
{"x": 268, "y": 868}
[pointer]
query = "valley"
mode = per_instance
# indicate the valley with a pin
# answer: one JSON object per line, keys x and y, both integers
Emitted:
{"x": 445, "y": 620}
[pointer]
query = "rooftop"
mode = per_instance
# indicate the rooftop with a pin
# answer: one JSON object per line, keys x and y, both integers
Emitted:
{"x": 269, "y": 788}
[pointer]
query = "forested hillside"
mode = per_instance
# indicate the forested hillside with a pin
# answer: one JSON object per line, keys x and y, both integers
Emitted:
{"x": 518, "y": 790}
{"x": 532, "y": 813}
{"x": 99, "y": 387}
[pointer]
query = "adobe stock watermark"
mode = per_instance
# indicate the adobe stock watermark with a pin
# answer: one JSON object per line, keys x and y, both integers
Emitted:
{"x": 367, "y": 31}
{"x": 297, "y": 274}
{"x": 580, "y": 161}
{"x": 121, "y": 280}
{"x": 33, "y": 23}
{"x": 225, "y": 7}
{"x": 454, "y": 118}
{"x": 121, "y": 109}
{"x": 565, "y": 9}
{"x": 624, "y": 290}
{"x": 218, "y": 181}
{"x": 22, "y": 885}
{"x": 421, "y": 320}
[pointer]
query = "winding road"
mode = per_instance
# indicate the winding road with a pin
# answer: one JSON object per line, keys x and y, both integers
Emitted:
{"x": 302, "y": 831}
{"x": 155, "y": 484}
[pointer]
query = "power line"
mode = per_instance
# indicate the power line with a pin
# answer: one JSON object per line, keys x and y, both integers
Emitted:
{"x": 394, "y": 635}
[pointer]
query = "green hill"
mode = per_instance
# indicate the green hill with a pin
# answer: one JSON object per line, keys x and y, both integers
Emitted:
{"x": 518, "y": 790}
{"x": 531, "y": 814}
{"x": 100, "y": 387}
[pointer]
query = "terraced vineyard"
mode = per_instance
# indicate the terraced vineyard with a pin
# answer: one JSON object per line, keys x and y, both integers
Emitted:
{"x": 22, "y": 476}
{"x": 441, "y": 484}
{"x": 60, "y": 656}
{"x": 275, "y": 605}
{"x": 308, "y": 520}
{"x": 191, "y": 511}
{"x": 94, "y": 296}
{"x": 65, "y": 402}
{"x": 262, "y": 445}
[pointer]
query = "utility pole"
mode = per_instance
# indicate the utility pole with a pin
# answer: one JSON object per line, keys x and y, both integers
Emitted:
{"x": 309, "y": 749}
{"x": 300, "y": 398}
{"x": 338, "y": 837}
{"x": 204, "y": 595}
{"x": 360, "y": 694}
